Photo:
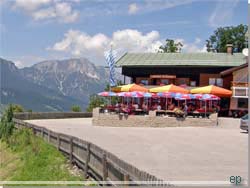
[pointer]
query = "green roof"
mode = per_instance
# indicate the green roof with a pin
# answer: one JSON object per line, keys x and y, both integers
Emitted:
{"x": 181, "y": 59}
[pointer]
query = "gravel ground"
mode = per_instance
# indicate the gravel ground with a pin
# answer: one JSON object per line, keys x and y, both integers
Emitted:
{"x": 171, "y": 153}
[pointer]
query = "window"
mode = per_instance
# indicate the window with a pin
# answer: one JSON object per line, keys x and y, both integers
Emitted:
{"x": 216, "y": 81}
{"x": 165, "y": 81}
{"x": 193, "y": 83}
{"x": 211, "y": 81}
{"x": 242, "y": 103}
{"x": 219, "y": 82}
{"x": 240, "y": 92}
{"x": 144, "y": 82}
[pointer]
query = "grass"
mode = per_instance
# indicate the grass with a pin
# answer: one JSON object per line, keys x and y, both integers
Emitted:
{"x": 25, "y": 157}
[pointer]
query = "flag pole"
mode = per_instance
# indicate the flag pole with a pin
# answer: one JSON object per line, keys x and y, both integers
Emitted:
{"x": 110, "y": 74}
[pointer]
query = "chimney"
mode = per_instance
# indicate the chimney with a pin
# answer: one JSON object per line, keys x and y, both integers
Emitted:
{"x": 229, "y": 48}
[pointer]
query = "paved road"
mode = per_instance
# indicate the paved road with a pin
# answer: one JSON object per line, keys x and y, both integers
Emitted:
{"x": 171, "y": 153}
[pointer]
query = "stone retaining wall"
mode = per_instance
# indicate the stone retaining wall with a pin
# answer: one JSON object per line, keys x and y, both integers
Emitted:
{"x": 151, "y": 120}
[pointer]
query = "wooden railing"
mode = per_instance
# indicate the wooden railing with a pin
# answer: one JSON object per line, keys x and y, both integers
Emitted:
{"x": 95, "y": 161}
{"x": 239, "y": 84}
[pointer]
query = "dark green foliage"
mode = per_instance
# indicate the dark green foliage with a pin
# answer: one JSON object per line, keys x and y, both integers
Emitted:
{"x": 95, "y": 101}
{"x": 6, "y": 124}
{"x": 76, "y": 108}
{"x": 222, "y": 36}
{"x": 171, "y": 46}
{"x": 17, "y": 108}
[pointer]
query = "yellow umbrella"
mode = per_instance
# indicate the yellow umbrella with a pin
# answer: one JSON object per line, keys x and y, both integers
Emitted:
{"x": 169, "y": 88}
{"x": 129, "y": 87}
{"x": 211, "y": 89}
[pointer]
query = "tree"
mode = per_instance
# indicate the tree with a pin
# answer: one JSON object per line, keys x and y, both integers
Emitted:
{"x": 171, "y": 46}
{"x": 17, "y": 108}
{"x": 222, "y": 36}
{"x": 95, "y": 101}
{"x": 76, "y": 108}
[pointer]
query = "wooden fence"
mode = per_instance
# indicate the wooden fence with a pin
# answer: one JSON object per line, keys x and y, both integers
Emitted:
{"x": 95, "y": 161}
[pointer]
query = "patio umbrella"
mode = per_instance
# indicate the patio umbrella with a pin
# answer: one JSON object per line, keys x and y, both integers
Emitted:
{"x": 197, "y": 96}
{"x": 210, "y": 97}
{"x": 166, "y": 94}
{"x": 107, "y": 94}
{"x": 169, "y": 88}
{"x": 137, "y": 94}
{"x": 184, "y": 97}
{"x": 211, "y": 89}
{"x": 149, "y": 95}
{"x": 129, "y": 87}
{"x": 125, "y": 94}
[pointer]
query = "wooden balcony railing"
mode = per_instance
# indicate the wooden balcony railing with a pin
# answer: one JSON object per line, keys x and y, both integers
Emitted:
{"x": 239, "y": 84}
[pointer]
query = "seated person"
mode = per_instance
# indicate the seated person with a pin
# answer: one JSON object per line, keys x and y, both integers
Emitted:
{"x": 154, "y": 107}
{"x": 125, "y": 109}
{"x": 136, "y": 106}
{"x": 171, "y": 107}
{"x": 158, "y": 107}
{"x": 144, "y": 107}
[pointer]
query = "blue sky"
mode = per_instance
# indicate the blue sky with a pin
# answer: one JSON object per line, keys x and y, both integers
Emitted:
{"x": 37, "y": 30}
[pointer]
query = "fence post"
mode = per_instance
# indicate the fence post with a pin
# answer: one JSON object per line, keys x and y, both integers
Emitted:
{"x": 71, "y": 149}
{"x": 42, "y": 132}
{"x": 49, "y": 136}
{"x": 104, "y": 168}
{"x": 126, "y": 179}
{"x": 58, "y": 141}
{"x": 87, "y": 161}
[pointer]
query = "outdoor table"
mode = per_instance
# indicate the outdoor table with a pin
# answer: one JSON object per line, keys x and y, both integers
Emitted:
{"x": 160, "y": 112}
{"x": 138, "y": 111}
{"x": 196, "y": 114}
{"x": 170, "y": 112}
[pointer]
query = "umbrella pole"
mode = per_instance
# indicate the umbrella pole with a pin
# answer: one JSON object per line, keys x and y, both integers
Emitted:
{"x": 166, "y": 103}
{"x": 205, "y": 108}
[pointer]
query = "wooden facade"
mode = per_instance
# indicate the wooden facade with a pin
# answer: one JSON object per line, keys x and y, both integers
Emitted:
{"x": 182, "y": 75}
{"x": 239, "y": 100}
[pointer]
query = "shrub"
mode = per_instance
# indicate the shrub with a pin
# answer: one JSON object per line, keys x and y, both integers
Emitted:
{"x": 6, "y": 124}
{"x": 76, "y": 108}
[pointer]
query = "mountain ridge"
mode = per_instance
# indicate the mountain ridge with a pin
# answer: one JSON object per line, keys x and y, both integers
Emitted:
{"x": 52, "y": 85}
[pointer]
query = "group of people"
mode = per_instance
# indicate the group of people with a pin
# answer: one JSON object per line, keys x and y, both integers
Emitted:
{"x": 175, "y": 106}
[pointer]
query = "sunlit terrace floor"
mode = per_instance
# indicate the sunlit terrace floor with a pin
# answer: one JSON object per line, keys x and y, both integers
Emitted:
{"x": 171, "y": 153}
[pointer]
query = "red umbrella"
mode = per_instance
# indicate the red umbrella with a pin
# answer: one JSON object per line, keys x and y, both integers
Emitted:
{"x": 137, "y": 94}
{"x": 197, "y": 96}
{"x": 107, "y": 94}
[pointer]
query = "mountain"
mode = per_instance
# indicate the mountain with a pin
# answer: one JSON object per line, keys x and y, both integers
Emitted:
{"x": 77, "y": 78}
{"x": 17, "y": 88}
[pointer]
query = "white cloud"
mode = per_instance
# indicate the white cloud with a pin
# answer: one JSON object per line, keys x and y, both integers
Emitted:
{"x": 44, "y": 14}
{"x": 78, "y": 43}
{"x": 154, "y": 5}
{"x": 132, "y": 8}
{"x": 222, "y": 13}
{"x": 55, "y": 10}
{"x": 26, "y": 61}
{"x": 193, "y": 47}
{"x": 30, "y": 5}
